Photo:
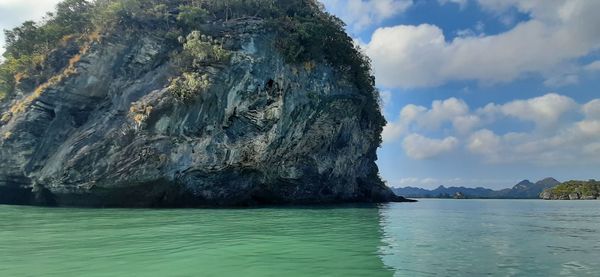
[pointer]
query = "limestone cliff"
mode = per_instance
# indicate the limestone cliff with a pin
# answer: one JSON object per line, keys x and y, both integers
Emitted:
{"x": 121, "y": 124}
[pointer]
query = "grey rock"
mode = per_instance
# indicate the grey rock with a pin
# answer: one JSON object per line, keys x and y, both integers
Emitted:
{"x": 546, "y": 195}
{"x": 264, "y": 132}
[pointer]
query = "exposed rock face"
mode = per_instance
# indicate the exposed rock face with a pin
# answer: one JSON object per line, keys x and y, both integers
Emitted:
{"x": 262, "y": 132}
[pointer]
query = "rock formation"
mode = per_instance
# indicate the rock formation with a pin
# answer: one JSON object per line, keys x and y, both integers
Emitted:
{"x": 215, "y": 117}
{"x": 573, "y": 190}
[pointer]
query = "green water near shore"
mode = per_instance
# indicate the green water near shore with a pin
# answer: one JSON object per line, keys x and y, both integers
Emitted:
{"x": 429, "y": 238}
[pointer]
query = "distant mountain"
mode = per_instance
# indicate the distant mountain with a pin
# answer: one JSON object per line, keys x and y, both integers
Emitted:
{"x": 411, "y": 191}
{"x": 445, "y": 192}
{"x": 548, "y": 182}
{"x": 523, "y": 190}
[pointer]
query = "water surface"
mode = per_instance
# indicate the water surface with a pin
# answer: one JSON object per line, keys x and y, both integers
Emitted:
{"x": 492, "y": 237}
{"x": 429, "y": 238}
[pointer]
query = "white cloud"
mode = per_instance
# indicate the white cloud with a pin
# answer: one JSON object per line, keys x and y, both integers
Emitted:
{"x": 558, "y": 33}
{"x": 386, "y": 98}
{"x": 544, "y": 111}
{"x": 465, "y": 123}
{"x": 452, "y": 110}
{"x": 563, "y": 144}
{"x": 411, "y": 113}
{"x": 394, "y": 130}
{"x": 564, "y": 132}
{"x": 443, "y": 111}
{"x": 477, "y": 31}
{"x": 593, "y": 66}
{"x": 561, "y": 80}
{"x": 592, "y": 109}
{"x": 466, "y": 33}
{"x": 588, "y": 128}
{"x": 484, "y": 142}
{"x": 461, "y": 3}
{"x": 567, "y": 146}
{"x": 360, "y": 14}
{"x": 405, "y": 56}
{"x": 544, "y": 9}
{"x": 419, "y": 147}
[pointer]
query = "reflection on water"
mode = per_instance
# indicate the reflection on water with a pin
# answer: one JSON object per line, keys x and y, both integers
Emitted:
{"x": 429, "y": 238}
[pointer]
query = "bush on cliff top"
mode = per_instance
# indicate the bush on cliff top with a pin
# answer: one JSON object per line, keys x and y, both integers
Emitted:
{"x": 304, "y": 33}
{"x": 585, "y": 188}
{"x": 28, "y": 45}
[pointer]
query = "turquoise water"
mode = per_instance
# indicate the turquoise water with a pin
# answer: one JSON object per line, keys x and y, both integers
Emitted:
{"x": 429, "y": 238}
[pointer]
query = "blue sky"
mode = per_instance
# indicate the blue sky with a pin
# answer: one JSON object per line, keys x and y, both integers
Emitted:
{"x": 476, "y": 92}
{"x": 483, "y": 92}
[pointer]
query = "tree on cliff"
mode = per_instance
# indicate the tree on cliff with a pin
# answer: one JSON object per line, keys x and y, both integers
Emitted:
{"x": 305, "y": 34}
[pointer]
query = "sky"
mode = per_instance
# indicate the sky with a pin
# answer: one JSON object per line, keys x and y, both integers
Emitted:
{"x": 475, "y": 92}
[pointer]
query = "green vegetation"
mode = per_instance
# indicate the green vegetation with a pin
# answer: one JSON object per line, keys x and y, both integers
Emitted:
{"x": 189, "y": 85}
{"x": 200, "y": 50}
{"x": 583, "y": 189}
{"x": 190, "y": 16}
{"x": 30, "y": 39}
{"x": 28, "y": 45}
{"x": 304, "y": 32}
{"x": 139, "y": 112}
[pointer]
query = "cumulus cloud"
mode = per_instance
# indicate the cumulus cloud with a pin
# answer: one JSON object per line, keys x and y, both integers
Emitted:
{"x": 465, "y": 123}
{"x": 544, "y": 111}
{"x": 593, "y": 66}
{"x": 419, "y": 147}
{"x": 442, "y": 111}
{"x": 413, "y": 117}
{"x": 394, "y": 130}
{"x": 592, "y": 109}
{"x": 561, "y": 80}
{"x": 386, "y": 98}
{"x": 484, "y": 142}
{"x": 546, "y": 9}
{"x": 461, "y": 3}
{"x": 360, "y": 14}
{"x": 571, "y": 143}
{"x": 559, "y": 32}
{"x": 478, "y": 30}
{"x": 563, "y": 131}
{"x": 450, "y": 111}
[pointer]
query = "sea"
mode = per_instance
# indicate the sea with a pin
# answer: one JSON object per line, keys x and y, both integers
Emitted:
{"x": 432, "y": 237}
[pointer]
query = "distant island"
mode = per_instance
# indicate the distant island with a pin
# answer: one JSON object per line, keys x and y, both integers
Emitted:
{"x": 573, "y": 190}
{"x": 523, "y": 190}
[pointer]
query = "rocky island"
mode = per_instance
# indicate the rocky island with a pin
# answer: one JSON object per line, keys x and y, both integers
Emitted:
{"x": 129, "y": 103}
{"x": 573, "y": 190}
